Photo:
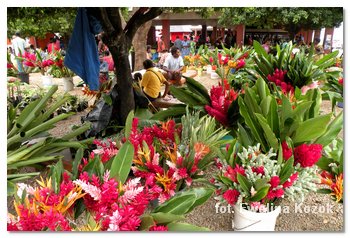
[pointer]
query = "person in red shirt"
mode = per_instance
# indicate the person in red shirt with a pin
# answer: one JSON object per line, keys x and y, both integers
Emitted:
{"x": 52, "y": 46}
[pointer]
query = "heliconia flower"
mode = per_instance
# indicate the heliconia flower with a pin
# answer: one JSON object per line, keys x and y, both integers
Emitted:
{"x": 92, "y": 190}
{"x": 287, "y": 152}
{"x": 307, "y": 155}
{"x": 231, "y": 196}
{"x": 231, "y": 173}
{"x": 158, "y": 228}
{"x": 337, "y": 188}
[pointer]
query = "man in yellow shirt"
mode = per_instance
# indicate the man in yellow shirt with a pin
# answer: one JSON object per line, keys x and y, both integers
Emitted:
{"x": 152, "y": 80}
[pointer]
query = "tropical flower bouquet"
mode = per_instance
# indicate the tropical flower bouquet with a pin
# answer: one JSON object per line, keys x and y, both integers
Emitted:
{"x": 97, "y": 195}
{"x": 170, "y": 157}
{"x": 58, "y": 69}
{"x": 258, "y": 181}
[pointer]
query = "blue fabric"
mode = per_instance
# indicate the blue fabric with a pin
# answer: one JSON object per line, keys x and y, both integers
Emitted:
{"x": 82, "y": 56}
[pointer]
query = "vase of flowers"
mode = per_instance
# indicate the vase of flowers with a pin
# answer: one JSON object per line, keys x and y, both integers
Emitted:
{"x": 59, "y": 70}
{"x": 256, "y": 182}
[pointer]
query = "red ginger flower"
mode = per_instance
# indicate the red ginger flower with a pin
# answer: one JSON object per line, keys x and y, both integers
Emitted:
{"x": 158, "y": 228}
{"x": 259, "y": 170}
{"x": 274, "y": 181}
{"x": 307, "y": 155}
{"x": 291, "y": 180}
{"x": 340, "y": 81}
{"x": 231, "y": 196}
{"x": 287, "y": 152}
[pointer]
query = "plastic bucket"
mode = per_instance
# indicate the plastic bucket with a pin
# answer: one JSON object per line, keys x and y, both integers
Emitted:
{"x": 214, "y": 75}
{"x": 68, "y": 84}
{"x": 47, "y": 80}
{"x": 245, "y": 220}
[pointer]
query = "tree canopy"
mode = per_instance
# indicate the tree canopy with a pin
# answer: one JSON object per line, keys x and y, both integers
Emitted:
{"x": 37, "y": 21}
{"x": 292, "y": 19}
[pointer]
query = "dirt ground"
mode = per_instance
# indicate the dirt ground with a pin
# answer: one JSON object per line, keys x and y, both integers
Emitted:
{"x": 297, "y": 219}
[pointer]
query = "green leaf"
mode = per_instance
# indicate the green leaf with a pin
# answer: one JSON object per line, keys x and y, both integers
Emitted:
{"x": 165, "y": 218}
{"x": 79, "y": 208}
{"x": 260, "y": 183}
{"x": 76, "y": 162}
{"x": 185, "y": 227}
{"x": 269, "y": 134}
{"x": 280, "y": 154}
{"x": 128, "y": 124}
{"x": 11, "y": 188}
{"x": 184, "y": 95}
{"x": 332, "y": 131}
{"x": 287, "y": 170}
{"x": 260, "y": 194}
{"x": 146, "y": 222}
{"x": 122, "y": 162}
{"x": 323, "y": 163}
{"x": 244, "y": 183}
{"x": 197, "y": 87}
{"x": 311, "y": 129}
{"x": 171, "y": 112}
{"x": 324, "y": 191}
{"x": 178, "y": 205}
{"x": 244, "y": 137}
{"x": 202, "y": 195}
{"x": 259, "y": 49}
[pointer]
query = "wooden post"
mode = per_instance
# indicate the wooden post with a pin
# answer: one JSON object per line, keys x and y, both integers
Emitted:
{"x": 166, "y": 33}
{"x": 213, "y": 35}
{"x": 240, "y": 31}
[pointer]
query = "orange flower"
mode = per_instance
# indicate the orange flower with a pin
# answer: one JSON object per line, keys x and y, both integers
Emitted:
{"x": 337, "y": 188}
{"x": 201, "y": 149}
{"x": 165, "y": 181}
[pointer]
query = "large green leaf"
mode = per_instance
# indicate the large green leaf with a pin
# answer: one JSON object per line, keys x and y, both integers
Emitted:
{"x": 185, "y": 227}
{"x": 287, "y": 170}
{"x": 197, "y": 87}
{"x": 122, "y": 162}
{"x": 11, "y": 188}
{"x": 184, "y": 95}
{"x": 244, "y": 183}
{"x": 165, "y": 218}
{"x": 269, "y": 134}
{"x": 78, "y": 157}
{"x": 178, "y": 205}
{"x": 260, "y": 194}
{"x": 146, "y": 222}
{"x": 311, "y": 129}
{"x": 171, "y": 112}
{"x": 332, "y": 131}
{"x": 128, "y": 124}
{"x": 202, "y": 195}
{"x": 259, "y": 49}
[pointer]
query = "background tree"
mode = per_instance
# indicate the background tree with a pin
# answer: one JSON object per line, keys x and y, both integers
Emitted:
{"x": 37, "y": 21}
{"x": 291, "y": 19}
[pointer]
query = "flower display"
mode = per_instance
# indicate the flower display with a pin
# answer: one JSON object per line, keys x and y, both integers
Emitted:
{"x": 258, "y": 180}
{"x": 167, "y": 157}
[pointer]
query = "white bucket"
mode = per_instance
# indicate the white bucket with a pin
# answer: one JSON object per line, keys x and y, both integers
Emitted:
{"x": 214, "y": 75}
{"x": 47, "y": 80}
{"x": 68, "y": 84}
{"x": 245, "y": 220}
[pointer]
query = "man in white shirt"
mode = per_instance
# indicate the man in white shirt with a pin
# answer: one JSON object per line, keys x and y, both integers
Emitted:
{"x": 18, "y": 45}
{"x": 173, "y": 65}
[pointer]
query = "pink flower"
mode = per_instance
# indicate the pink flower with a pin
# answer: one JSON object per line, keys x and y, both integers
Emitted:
{"x": 307, "y": 155}
{"x": 231, "y": 196}
{"x": 211, "y": 60}
{"x": 287, "y": 152}
{"x": 240, "y": 64}
{"x": 231, "y": 173}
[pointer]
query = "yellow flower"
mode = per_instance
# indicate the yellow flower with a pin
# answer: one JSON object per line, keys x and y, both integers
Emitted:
{"x": 232, "y": 64}
{"x": 164, "y": 180}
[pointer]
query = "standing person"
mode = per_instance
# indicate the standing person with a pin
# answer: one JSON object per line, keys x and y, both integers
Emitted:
{"x": 178, "y": 43}
{"x": 152, "y": 80}
{"x": 266, "y": 45}
{"x": 161, "y": 46}
{"x": 18, "y": 45}
{"x": 185, "y": 47}
{"x": 173, "y": 65}
{"x": 148, "y": 52}
{"x": 165, "y": 54}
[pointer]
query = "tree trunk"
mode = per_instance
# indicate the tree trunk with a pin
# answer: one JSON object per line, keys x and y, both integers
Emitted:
{"x": 119, "y": 48}
{"x": 140, "y": 44}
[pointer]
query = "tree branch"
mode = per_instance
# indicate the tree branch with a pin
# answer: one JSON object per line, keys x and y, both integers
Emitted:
{"x": 115, "y": 18}
{"x": 141, "y": 16}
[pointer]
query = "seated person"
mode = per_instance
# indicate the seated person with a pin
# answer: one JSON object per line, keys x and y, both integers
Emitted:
{"x": 173, "y": 65}
{"x": 152, "y": 81}
{"x": 103, "y": 70}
